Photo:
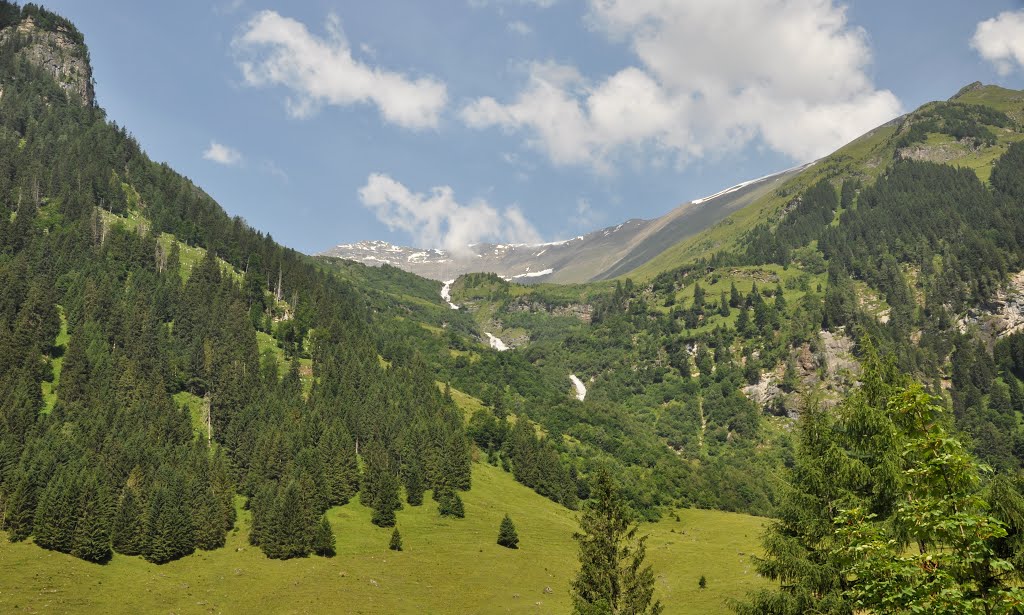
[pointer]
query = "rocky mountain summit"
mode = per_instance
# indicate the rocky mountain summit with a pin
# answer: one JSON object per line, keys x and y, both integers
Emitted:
{"x": 58, "y": 49}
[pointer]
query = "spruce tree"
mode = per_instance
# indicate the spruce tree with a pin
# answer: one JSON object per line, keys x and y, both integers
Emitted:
{"x": 223, "y": 490}
{"x": 19, "y": 508}
{"x": 289, "y": 532}
{"x": 698, "y": 298}
{"x": 56, "y": 514}
{"x": 396, "y": 541}
{"x": 612, "y": 577}
{"x": 386, "y": 502}
{"x": 323, "y": 539}
{"x": 507, "y": 536}
{"x": 449, "y": 504}
{"x": 799, "y": 547}
{"x": 128, "y": 528}
{"x": 208, "y": 521}
{"x": 168, "y": 524}
{"x": 743, "y": 321}
{"x": 92, "y": 534}
{"x": 337, "y": 458}
{"x": 414, "y": 486}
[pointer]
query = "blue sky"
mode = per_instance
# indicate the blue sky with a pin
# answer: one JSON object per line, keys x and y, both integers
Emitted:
{"x": 453, "y": 121}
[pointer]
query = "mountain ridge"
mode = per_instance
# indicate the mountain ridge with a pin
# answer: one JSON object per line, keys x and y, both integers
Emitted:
{"x": 598, "y": 255}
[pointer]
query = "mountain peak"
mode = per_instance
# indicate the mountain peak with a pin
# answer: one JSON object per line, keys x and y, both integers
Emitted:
{"x": 51, "y": 43}
{"x": 970, "y": 87}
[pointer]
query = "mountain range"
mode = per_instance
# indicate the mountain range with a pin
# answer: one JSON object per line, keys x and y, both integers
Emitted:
{"x": 182, "y": 396}
{"x": 602, "y": 254}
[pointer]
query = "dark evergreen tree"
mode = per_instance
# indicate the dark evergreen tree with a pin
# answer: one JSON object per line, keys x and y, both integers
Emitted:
{"x": 128, "y": 534}
{"x": 396, "y": 541}
{"x": 323, "y": 539}
{"x": 57, "y": 514}
{"x": 169, "y": 529}
{"x": 507, "y": 536}
{"x": 19, "y": 508}
{"x": 92, "y": 532}
{"x": 612, "y": 576}
{"x": 291, "y": 526}
{"x": 449, "y": 504}
{"x": 735, "y": 299}
{"x": 414, "y": 484}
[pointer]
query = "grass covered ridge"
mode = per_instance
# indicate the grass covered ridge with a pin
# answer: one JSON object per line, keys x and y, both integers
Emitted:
{"x": 443, "y": 559}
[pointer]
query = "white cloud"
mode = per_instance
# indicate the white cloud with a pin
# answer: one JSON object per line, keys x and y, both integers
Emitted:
{"x": 276, "y": 50}
{"x": 520, "y": 27}
{"x": 1000, "y": 40}
{"x": 713, "y": 75}
{"x": 222, "y": 154}
{"x": 437, "y": 220}
{"x": 270, "y": 168}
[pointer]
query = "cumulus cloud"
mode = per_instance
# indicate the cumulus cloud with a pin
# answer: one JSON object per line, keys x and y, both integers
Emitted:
{"x": 222, "y": 154}
{"x": 280, "y": 51}
{"x": 437, "y": 220}
{"x": 1000, "y": 40}
{"x": 712, "y": 75}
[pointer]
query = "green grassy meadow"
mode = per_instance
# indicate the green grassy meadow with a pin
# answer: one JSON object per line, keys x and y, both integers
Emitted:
{"x": 448, "y": 565}
{"x": 56, "y": 363}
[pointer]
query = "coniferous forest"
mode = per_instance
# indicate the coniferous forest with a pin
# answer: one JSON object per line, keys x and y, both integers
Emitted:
{"x": 110, "y": 459}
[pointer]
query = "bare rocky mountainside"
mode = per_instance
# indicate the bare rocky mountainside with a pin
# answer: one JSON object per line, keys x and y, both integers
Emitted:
{"x": 600, "y": 255}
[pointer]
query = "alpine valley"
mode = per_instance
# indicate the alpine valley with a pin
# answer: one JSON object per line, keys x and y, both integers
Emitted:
{"x": 803, "y": 394}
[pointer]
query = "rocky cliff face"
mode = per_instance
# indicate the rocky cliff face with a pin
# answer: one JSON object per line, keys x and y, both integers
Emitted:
{"x": 1004, "y": 315}
{"x": 56, "y": 52}
{"x": 581, "y": 311}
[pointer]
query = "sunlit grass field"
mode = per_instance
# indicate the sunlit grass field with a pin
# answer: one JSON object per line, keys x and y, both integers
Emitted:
{"x": 448, "y": 565}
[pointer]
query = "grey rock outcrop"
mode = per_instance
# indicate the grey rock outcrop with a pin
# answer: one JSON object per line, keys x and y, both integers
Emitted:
{"x": 59, "y": 54}
{"x": 1004, "y": 314}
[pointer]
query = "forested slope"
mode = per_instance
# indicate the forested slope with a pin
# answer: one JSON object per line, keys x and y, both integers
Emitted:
{"x": 96, "y": 234}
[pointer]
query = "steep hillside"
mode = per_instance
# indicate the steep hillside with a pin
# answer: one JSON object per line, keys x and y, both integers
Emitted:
{"x": 865, "y": 159}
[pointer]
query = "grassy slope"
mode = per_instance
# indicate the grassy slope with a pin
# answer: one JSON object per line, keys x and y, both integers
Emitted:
{"x": 449, "y": 566}
{"x": 767, "y": 277}
{"x": 190, "y": 256}
{"x": 866, "y": 155}
{"x": 196, "y": 410}
{"x": 57, "y": 362}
